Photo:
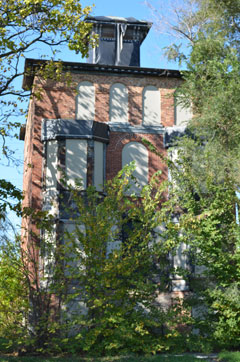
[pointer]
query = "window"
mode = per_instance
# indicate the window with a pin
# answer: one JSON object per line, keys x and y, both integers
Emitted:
{"x": 98, "y": 165}
{"x": 182, "y": 114}
{"x": 85, "y": 101}
{"x": 118, "y": 103}
{"x": 151, "y": 106}
{"x": 51, "y": 165}
{"x": 135, "y": 151}
{"x": 76, "y": 161}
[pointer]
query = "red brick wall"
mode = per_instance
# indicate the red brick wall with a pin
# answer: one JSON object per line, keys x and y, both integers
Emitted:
{"x": 59, "y": 100}
{"x": 31, "y": 188}
{"x": 119, "y": 140}
{"x": 27, "y": 174}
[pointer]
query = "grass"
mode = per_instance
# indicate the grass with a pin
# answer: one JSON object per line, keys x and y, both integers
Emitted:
{"x": 229, "y": 356}
{"x": 223, "y": 356}
{"x": 162, "y": 358}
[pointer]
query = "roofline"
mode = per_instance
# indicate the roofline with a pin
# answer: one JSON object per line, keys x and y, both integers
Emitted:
{"x": 34, "y": 64}
{"x": 114, "y": 20}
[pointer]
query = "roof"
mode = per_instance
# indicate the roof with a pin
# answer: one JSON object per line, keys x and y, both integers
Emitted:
{"x": 137, "y": 28}
{"x": 32, "y": 65}
{"x": 115, "y": 19}
{"x": 74, "y": 128}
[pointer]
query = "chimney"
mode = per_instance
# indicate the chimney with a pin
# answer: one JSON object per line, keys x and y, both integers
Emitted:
{"x": 119, "y": 40}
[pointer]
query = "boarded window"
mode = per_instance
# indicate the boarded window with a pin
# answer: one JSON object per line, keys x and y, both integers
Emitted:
{"x": 85, "y": 105}
{"x": 151, "y": 106}
{"x": 135, "y": 151}
{"x": 98, "y": 165}
{"x": 76, "y": 161}
{"x": 50, "y": 202}
{"x": 118, "y": 103}
{"x": 51, "y": 169}
{"x": 182, "y": 114}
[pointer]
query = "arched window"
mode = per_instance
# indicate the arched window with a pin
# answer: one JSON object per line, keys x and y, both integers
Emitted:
{"x": 182, "y": 115}
{"x": 135, "y": 151}
{"x": 118, "y": 103}
{"x": 85, "y": 104}
{"x": 151, "y": 106}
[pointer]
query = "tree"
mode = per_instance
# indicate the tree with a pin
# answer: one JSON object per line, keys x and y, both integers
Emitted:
{"x": 117, "y": 268}
{"x": 185, "y": 21}
{"x": 207, "y": 225}
{"x": 7, "y": 230}
{"x": 211, "y": 86}
{"x": 206, "y": 175}
{"x": 25, "y": 26}
{"x": 181, "y": 24}
{"x": 14, "y": 303}
{"x": 94, "y": 288}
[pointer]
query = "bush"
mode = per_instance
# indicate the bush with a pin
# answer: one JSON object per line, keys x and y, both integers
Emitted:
{"x": 14, "y": 305}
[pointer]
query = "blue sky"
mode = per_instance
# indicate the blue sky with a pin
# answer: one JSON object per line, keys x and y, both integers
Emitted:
{"x": 150, "y": 57}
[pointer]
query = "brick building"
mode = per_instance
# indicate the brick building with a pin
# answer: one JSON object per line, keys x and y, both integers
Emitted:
{"x": 93, "y": 132}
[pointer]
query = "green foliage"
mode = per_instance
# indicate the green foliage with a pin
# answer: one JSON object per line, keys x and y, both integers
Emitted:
{"x": 10, "y": 198}
{"x": 213, "y": 87}
{"x": 14, "y": 305}
{"x": 206, "y": 174}
{"x": 28, "y": 25}
{"x": 229, "y": 356}
{"x": 226, "y": 304}
{"x": 96, "y": 289}
{"x": 206, "y": 181}
{"x": 208, "y": 226}
{"x": 114, "y": 268}
{"x": 97, "y": 295}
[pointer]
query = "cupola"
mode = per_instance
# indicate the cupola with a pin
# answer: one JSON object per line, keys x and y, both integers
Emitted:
{"x": 119, "y": 40}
